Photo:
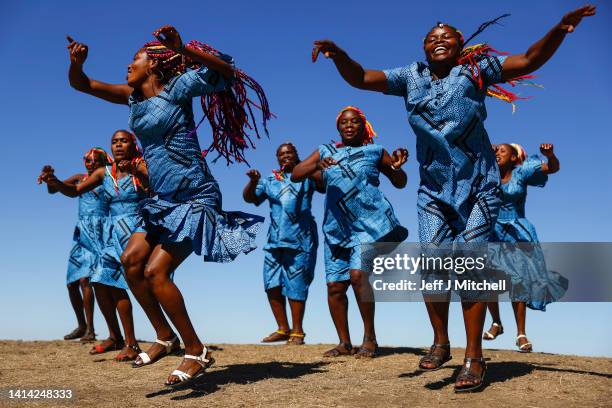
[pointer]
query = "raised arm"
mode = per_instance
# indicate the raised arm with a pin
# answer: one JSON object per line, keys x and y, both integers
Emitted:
{"x": 138, "y": 168}
{"x": 391, "y": 166}
{"x": 171, "y": 39}
{"x": 249, "y": 190}
{"x": 351, "y": 71}
{"x": 552, "y": 165}
{"x": 312, "y": 166}
{"x": 540, "y": 52}
{"x": 81, "y": 82}
{"x": 73, "y": 190}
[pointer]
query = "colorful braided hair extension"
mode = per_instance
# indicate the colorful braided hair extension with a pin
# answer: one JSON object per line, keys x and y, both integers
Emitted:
{"x": 520, "y": 152}
{"x": 280, "y": 173}
{"x": 136, "y": 160}
{"x": 97, "y": 153}
{"x": 229, "y": 112}
{"x": 370, "y": 133}
{"x": 470, "y": 55}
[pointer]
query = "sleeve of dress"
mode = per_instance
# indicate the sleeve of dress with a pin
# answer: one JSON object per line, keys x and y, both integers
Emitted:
{"x": 491, "y": 69}
{"x": 397, "y": 81}
{"x": 261, "y": 191}
{"x": 531, "y": 173}
{"x": 198, "y": 82}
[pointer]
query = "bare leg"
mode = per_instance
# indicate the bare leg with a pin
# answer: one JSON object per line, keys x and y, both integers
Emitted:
{"x": 277, "y": 304}
{"x": 77, "y": 304}
{"x": 494, "y": 310}
{"x": 88, "y": 305}
{"x": 365, "y": 300}
{"x": 298, "y": 308}
{"x": 474, "y": 314}
{"x": 124, "y": 307}
{"x": 520, "y": 315}
{"x": 338, "y": 308}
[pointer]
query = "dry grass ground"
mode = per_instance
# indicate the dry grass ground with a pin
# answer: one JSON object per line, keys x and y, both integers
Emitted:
{"x": 291, "y": 376}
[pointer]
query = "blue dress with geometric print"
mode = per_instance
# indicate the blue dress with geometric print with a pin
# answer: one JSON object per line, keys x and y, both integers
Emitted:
{"x": 186, "y": 200}
{"x": 459, "y": 193}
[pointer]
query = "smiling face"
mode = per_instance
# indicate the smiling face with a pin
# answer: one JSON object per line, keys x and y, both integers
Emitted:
{"x": 140, "y": 69}
{"x": 351, "y": 128}
{"x": 287, "y": 157}
{"x": 122, "y": 146}
{"x": 506, "y": 156}
{"x": 442, "y": 45}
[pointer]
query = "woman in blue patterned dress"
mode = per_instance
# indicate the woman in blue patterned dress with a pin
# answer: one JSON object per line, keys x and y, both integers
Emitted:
{"x": 459, "y": 193}
{"x": 84, "y": 256}
{"x": 117, "y": 185}
{"x": 356, "y": 213}
{"x": 532, "y": 285}
{"x": 291, "y": 250}
{"x": 184, "y": 214}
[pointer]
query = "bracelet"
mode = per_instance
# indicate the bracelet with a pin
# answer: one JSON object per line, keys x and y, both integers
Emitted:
{"x": 395, "y": 169}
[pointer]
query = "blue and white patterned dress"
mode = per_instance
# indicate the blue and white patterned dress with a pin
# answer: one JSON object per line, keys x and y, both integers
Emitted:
{"x": 123, "y": 221}
{"x": 531, "y": 281}
{"x": 186, "y": 202}
{"x": 356, "y": 211}
{"x": 88, "y": 239}
{"x": 291, "y": 250}
{"x": 459, "y": 194}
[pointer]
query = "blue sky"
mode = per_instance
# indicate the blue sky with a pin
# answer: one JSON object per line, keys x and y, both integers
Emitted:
{"x": 45, "y": 121}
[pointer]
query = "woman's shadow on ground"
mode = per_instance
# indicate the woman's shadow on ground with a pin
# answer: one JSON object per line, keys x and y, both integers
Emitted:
{"x": 242, "y": 374}
{"x": 500, "y": 372}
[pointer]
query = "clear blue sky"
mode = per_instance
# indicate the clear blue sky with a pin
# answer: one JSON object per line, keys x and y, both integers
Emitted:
{"x": 45, "y": 121}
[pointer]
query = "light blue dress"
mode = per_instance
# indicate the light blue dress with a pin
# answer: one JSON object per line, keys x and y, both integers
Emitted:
{"x": 186, "y": 202}
{"x": 291, "y": 250}
{"x": 459, "y": 194}
{"x": 356, "y": 211}
{"x": 123, "y": 221}
{"x": 531, "y": 281}
{"x": 88, "y": 239}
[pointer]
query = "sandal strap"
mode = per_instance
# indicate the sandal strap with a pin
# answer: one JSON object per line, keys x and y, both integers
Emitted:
{"x": 201, "y": 359}
{"x": 145, "y": 358}
{"x": 282, "y": 332}
{"x": 302, "y": 335}
{"x": 183, "y": 376}
{"x": 521, "y": 336}
{"x": 134, "y": 347}
{"x": 167, "y": 343}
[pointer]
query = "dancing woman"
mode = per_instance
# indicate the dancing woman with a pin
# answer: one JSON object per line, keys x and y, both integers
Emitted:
{"x": 459, "y": 194}
{"x": 121, "y": 190}
{"x": 84, "y": 256}
{"x": 356, "y": 213}
{"x": 532, "y": 285}
{"x": 184, "y": 215}
{"x": 291, "y": 250}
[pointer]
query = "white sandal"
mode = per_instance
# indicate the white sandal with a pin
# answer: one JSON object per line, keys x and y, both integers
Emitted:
{"x": 489, "y": 336}
{"x": 146, "y": 359}
{"x": 187, "y": 378}
{"x": 525, "y": 348}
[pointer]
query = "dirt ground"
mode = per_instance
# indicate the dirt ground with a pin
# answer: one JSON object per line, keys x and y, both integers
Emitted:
{"x": 292, "y": 376}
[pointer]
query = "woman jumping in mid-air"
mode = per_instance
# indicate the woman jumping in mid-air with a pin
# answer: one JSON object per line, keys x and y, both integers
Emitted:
{"x": 459, "y": 195}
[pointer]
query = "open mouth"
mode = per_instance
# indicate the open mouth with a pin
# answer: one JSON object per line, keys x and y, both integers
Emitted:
{"x": 440, "y": 50}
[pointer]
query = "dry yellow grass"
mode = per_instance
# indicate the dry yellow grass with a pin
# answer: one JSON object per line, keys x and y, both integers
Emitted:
{"x": 292, "y": 376}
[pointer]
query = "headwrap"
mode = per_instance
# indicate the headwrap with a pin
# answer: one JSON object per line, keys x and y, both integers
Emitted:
{"x": 230, "y": 112}
{"x": 369, "y": 130}
{"x": 520, "y": 152}
{"x": 470, "y": 55}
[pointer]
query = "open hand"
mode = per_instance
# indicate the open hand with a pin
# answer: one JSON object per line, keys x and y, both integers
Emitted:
{"x": 169, "y": 37}
{"x": 399, "y": 157}
{"x": 547, "y": 149}
{"x": 78, "y": 51}
{"x": 254, "y": 175}
{"x": 573, "y": 18}
{"x": 327, "y": 47}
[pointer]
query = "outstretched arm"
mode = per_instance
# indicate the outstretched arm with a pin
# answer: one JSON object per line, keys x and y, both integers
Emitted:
{"x": 170, "y": 38}
{"x": 351, "y": 71}
{"x": 540, "y": 52}
{"x": 72, "y": 190}
{"x": 312, "y": 166}
{"x": 48, "y": 171}
{"x": 391, "y": 166}
{"x": 81, "y": 82}
{"x": 552, "y": 165}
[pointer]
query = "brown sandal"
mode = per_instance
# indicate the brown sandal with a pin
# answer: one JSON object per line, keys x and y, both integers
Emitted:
{"x": 296, "y": 339}
{"x": 336, "y": 352}
{"x": 476, "y": 381}
{"x": 279, "y": 335}
{"x": 365, "y": 352}
{"x": 436, "y": 359}
{"x": 88, "y": 337}
{"x": 75, "y": 334}
{"x": 496, "y": 330}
